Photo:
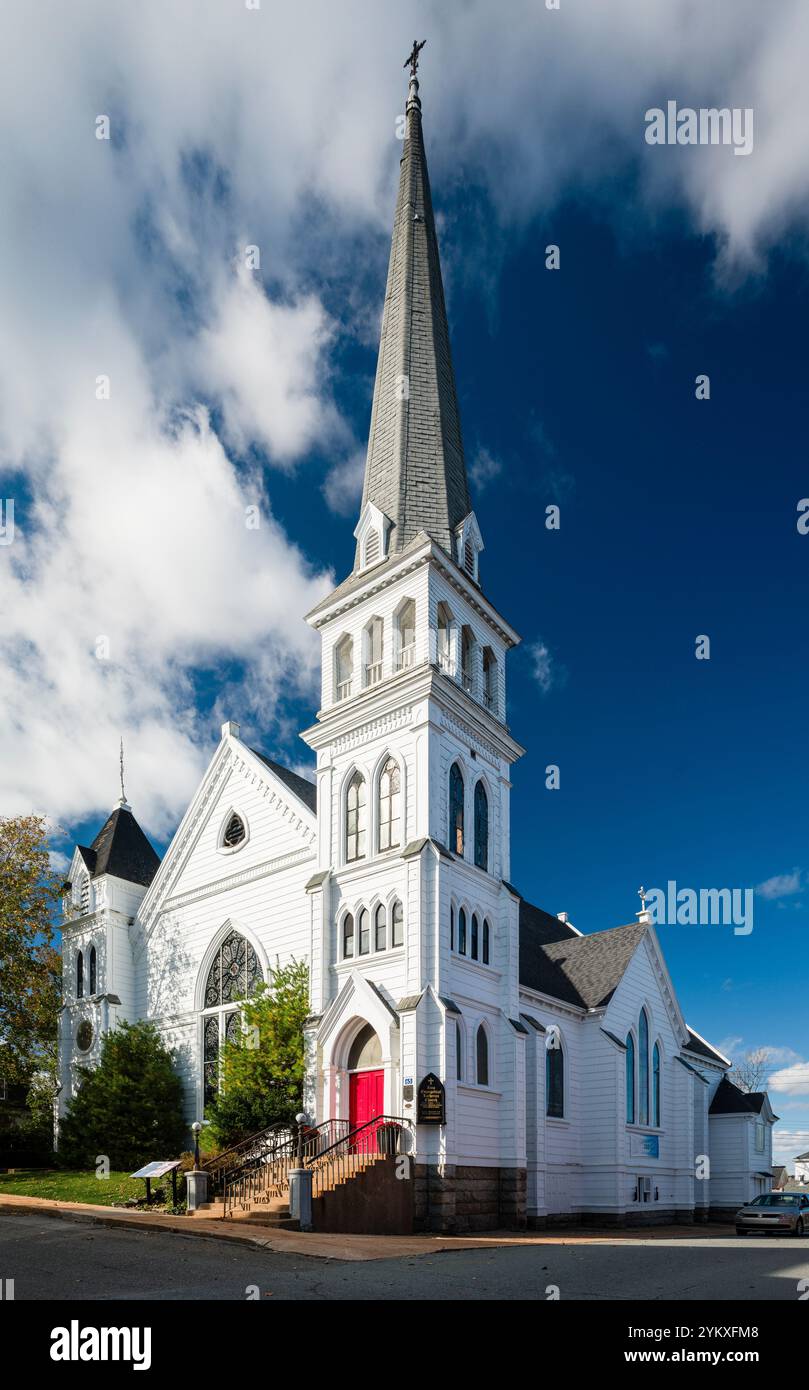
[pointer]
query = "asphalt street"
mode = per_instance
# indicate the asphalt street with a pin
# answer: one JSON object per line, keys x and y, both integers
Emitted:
{"x": 53, "y": 1259}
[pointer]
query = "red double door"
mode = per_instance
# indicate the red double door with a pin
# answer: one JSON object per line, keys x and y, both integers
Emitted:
{"x": 366, "y": 1102}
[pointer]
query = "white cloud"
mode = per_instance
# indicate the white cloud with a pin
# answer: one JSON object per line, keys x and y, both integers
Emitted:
{"x": 787, "y": 1144}
{"x": 273, "y": 127}
{"x": 792, "y": 1080}
{"x": 342, "y": 487}
{"x": 781, "y": 885}
{"x": 545, "y": 669}
{"x": 483, "y": 469}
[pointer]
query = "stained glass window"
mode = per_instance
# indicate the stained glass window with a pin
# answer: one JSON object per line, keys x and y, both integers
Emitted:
{"x": 456, "y": 809}
{"x": 481, "y": 827}
{"x": 355, "y": 818}
{"x": 211, "y": 1057}
{"x": 234, "y": 974}
{"x": 643, "y": 1069}
{"x": 486, "y": 941}
{"x": 630, "y": 1079}
{"x": 656, "y": 1086}
{"x": 482, "y": 1046}
{"x": 389, "y": 805}
{"x": 474, "y": 944}
{"x": 555, "y": 1082}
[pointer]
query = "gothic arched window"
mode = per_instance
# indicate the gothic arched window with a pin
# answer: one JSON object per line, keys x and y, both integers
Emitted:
{"x": 474, "y": 937}
{"x": 406, "y": 636}
{"x": 92, "y": 970}
{"x": 364, "y": 932}
{"x": 462, "y": 932}
{"x": 80, "y": 976}
{"x": 458, "y": 1051}
{"x": 630, "y": 1079}
{"x": 444, "y": 638}
{"x": 234, "y": 832}
{"x": 397, "y": 925}
{"x": 467, "y": 659}
{"x": 355, "y": 818}
{"x": 643, "y": 1069}
{"x": 481, "y": 827}
{"x": 482, "y": 1056}
{"x": 348, "y": 936}
{"x": 343, "y": 668}
{"x": 380, "y": 928}
{"x": 555, "y": 1081}
{"x": 456, "y": 809}
{"x": 489, "y": 678}
{"x": 390, "y": 805}
{"x": 486, "y": 941}
{"x": 372, "y": 641}
{"x": 656, "y": 1086}
{"x": 233, "y": 976}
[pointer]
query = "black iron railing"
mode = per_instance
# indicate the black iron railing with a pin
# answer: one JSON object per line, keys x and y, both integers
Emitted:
{"x": 258, "y": 1179}
{"x": 385, "y": 1136}
{"x": 256, "y": 1148}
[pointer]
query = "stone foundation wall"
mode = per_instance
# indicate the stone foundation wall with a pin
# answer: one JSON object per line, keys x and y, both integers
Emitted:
{"x": 666, "y": 1216}
{"x": 458, "y": 1200}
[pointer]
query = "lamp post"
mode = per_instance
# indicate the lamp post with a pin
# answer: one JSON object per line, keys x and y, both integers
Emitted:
{"x": 195, "y": 1130}
{"x": 300, "y": 1182}
{"x": 301, "y": 1119}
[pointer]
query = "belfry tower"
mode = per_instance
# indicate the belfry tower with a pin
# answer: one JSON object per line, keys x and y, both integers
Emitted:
{"x": 414, "y": 928}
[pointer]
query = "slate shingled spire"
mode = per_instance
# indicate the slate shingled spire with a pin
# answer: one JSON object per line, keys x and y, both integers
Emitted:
{"x": 415, "y": 470}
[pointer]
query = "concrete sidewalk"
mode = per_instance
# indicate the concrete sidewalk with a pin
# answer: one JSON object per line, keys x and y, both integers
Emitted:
{"x": 326, "y": 1246}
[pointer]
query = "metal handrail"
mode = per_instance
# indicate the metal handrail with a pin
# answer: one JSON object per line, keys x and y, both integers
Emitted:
{"x": 263, "y": 1177}
{"x": 358, "y": 1150}
{"x": 255, "y": 1147}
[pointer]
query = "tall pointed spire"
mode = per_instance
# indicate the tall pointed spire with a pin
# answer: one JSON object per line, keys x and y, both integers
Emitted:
{"x": 415, "y": 471}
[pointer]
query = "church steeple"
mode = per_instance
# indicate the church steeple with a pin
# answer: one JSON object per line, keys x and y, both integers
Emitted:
{"x": 415, "y": 472}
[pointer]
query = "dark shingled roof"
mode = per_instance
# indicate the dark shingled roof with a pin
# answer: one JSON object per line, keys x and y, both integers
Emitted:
{"x": 582, "y": 970}
{"x": 304, "y": 790}
{"x": 729, "y": 1100}
{"x": 703, "y": 1049}
{"x": 122, "y": 849}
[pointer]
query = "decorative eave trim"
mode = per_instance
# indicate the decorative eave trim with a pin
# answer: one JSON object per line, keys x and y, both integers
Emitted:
{"x": 547, "y": 1001}
{"x": 230, "y": 756}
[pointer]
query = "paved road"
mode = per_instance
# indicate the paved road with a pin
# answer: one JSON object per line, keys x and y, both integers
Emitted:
{"x": 63, "y": 1259}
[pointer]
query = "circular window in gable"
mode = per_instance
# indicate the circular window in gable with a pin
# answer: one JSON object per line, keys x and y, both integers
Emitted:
{"x": 84, "y": 1036}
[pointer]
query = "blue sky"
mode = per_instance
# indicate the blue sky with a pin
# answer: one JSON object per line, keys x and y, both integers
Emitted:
{"x": 577, "y": 386}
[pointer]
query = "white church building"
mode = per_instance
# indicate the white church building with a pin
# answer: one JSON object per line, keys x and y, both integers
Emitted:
{"x": 573, "y": 1089}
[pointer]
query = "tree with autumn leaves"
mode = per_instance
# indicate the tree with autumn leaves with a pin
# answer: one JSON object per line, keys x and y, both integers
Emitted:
{"x": 30, "y": 964}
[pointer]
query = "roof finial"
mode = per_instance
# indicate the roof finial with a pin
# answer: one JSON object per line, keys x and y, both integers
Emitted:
{"x": 412, "y": 60}
{"x": 644, "y": 915}
{"x": 123, "y": 803}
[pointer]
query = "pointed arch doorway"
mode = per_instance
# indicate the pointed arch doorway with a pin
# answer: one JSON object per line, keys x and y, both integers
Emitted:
{"x": 366, "y": 1086}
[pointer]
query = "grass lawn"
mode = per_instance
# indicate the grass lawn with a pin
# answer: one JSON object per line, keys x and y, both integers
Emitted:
{"x": 74, "y": 1187}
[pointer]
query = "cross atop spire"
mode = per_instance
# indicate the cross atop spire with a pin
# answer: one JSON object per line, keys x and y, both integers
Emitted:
{"x": 412, "y": 60}
{"x": 415, "y": 472}
{"x": 123, "y": 801}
